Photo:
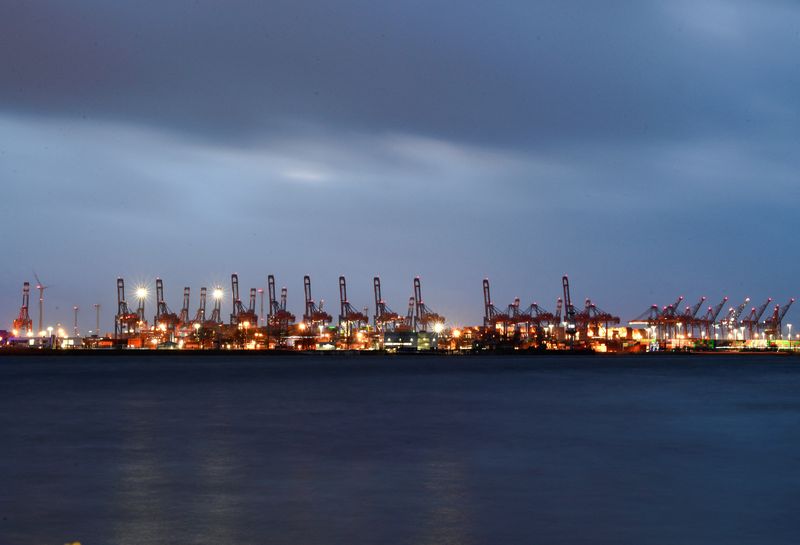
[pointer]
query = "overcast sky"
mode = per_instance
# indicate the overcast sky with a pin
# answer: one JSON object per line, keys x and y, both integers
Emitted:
{"x": 648, "y": 149}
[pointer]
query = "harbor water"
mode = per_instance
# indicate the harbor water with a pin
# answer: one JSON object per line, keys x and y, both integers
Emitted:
{"x": 157, "y": 448}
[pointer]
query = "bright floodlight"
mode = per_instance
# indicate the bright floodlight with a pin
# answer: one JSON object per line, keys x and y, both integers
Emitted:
{"x": 218, "y": 293}
{"x": 438, "y": 328}
{"x": 141, "y": 292}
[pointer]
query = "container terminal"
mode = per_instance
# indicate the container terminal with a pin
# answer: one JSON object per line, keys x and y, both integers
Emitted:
{"x": 256, "y": 324}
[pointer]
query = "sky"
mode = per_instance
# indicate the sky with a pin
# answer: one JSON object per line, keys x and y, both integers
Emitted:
{"x": 647, "y": 149}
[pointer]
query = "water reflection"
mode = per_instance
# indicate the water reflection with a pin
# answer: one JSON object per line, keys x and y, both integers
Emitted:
{"x": 449, "y": 518}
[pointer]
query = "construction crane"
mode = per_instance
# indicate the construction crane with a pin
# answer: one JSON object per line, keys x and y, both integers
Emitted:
{"x": 773, "y": 326}
{"x": 348, "y": 315}
{"x": 164, "y": 319}
{"x": 424, "y": 316}
{"x": 184, "y": 316}
{"x": 753, "y": 319}
{"x": 385, "y": 319}
{"x": 41, "y": 287}
{"x": 125, "y": 321}
{"x": 492, "y": 317}
{"x": 314, "y": 315}
{"x": 23, "y": 321}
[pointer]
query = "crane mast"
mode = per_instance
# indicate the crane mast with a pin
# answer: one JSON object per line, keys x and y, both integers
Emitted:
{"x": 23, "y": 321}
{"x": 184, "y": 317}
{"x": 200, "y": 316}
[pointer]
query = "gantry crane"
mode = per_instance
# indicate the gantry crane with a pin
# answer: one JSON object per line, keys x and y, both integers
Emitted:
{"x": 216, "y": 312}
{"x": 709, "y": 319}
{"x": 314, "y": 316}
{"x": 731, "y": 320}
{"x": 200, "y": 315}
{"x": 690, "y": 317}
{"x": 348, "y": 315}
{"x": 385, "y": 319}
{"x": 125, "y": 321}
{"x": 493, "y": 318}
{"x": 164, "y": 318}
{"x": 753, "y": 320}
{"x": 23, "y": 321}
{"x": 424, "y": 316}
{"x": 773, "y": 326}
{"x": 536, "y": 317}
{"x": 242, "y": 316}
{"x": 569, "y": 312}
{"x": 183, "y": 319}
{"x": 592, "y": 318}
{"x": 279, "y": 318}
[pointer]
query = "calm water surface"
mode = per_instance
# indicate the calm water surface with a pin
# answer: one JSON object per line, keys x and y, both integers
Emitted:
{"x": 417, "y": 450}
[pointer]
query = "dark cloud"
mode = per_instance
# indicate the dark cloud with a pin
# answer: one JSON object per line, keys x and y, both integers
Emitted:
{"x": 510, "y": 73}
{"x": 646, "y": 147}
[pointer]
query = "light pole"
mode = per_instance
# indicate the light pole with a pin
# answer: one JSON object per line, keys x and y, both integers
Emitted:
{"x": 790, "y": 335}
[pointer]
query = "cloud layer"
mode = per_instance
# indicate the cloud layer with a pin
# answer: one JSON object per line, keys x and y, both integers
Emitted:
{"x": 648, "y": 149}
